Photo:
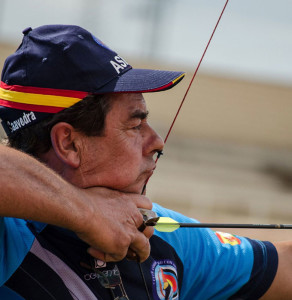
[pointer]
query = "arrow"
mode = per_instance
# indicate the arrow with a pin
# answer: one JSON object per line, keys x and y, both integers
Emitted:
{"x": 166, "y": 224}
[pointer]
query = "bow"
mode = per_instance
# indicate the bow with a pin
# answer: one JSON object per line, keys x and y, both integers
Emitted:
{"x": 168, "y": 224}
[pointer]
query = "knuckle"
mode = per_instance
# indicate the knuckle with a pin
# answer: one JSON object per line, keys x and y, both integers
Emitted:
{"x": 137, "y": 218}
{"x": 125, "y": 242}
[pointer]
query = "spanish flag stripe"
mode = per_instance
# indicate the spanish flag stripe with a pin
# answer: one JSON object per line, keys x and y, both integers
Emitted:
{"x": 37, "y": 99}
{"x": 178, "y": 78}
{"x": 219, "y": 237}
{"x": 30, "y": 107}
{"x": 50, "y": 97}
{"x": 43, "y": 91}
{"x": 164, "y": 86}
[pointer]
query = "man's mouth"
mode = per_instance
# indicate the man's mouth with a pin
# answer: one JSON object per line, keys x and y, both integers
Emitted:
{"x": 150, "y": 173}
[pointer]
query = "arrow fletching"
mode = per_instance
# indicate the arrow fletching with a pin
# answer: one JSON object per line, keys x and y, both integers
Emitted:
{"x": 165, "y": 224}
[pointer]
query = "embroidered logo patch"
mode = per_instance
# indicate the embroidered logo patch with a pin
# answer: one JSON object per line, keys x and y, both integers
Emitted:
{"x": 164, "y": 280}
{"x": 227, "y": 238}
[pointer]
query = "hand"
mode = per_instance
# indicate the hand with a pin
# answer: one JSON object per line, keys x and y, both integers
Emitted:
{"x": 110, "y": 226}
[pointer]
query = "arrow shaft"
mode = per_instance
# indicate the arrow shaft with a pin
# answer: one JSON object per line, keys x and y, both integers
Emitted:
{"x": 223, "y": 225}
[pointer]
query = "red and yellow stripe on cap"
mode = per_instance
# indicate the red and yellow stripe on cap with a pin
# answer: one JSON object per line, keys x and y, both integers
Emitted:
{"x": 38, "y": 99}
{"x": 167, "y": 86}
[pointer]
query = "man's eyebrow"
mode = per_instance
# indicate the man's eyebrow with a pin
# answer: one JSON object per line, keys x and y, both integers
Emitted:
{"x": 139, "y": 114}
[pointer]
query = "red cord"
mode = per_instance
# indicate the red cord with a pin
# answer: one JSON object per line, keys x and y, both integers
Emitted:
{"x": 187, "y": 91}
{"x": 193, "y": 77}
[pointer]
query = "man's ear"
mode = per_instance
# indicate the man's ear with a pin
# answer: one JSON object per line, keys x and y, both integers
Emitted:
{"x": 65, "y": 141}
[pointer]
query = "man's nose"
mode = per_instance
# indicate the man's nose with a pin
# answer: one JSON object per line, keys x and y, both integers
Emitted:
{"x": 155, "y": 143}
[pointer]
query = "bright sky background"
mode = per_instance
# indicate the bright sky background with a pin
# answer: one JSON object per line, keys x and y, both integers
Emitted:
{"x": 254, "y": 39}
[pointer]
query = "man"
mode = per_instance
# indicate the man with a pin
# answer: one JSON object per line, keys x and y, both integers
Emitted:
{"x": 77, "y": 106}
{"x": 30, "y": 176}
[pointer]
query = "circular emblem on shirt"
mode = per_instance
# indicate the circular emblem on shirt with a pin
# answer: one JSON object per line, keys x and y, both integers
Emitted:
{"x": 164, "y": 279}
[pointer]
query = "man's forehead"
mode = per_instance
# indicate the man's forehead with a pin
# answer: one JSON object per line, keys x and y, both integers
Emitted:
{"x": 130, "y": 102}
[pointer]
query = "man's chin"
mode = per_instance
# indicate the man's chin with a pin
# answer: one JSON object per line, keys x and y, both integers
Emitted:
{"x": 134, "y": 188}
{"x": 137, "y": 188}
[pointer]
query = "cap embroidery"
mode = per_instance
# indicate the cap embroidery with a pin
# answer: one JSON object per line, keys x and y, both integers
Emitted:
{"x": 26, "y": 118}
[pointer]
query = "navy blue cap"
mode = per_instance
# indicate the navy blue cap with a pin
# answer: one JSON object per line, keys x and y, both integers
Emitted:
{"x": 61, "y": 59}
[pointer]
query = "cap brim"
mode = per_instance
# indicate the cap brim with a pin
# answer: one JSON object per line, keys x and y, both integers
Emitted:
{"x": 143, "y": 81}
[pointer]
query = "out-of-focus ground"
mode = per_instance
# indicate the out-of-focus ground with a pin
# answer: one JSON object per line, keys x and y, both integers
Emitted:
{"x": 229, "y": 157}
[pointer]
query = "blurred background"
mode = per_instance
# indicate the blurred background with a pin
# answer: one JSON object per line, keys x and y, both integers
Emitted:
{"x": 229, "y": 156}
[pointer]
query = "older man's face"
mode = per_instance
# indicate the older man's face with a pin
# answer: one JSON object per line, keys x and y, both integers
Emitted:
{"x": 123, "y": 158}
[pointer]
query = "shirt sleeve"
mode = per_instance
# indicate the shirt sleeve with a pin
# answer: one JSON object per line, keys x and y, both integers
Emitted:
{"x": 15, "y": 241}
{"x": 218, "y": 265}
{"x": 263, "y": 271}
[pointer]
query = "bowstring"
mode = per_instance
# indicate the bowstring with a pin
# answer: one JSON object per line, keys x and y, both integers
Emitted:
{"x": 188, "y": 88}
{"x": 174, "y": 120}
{"x": 195, "y": 73}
